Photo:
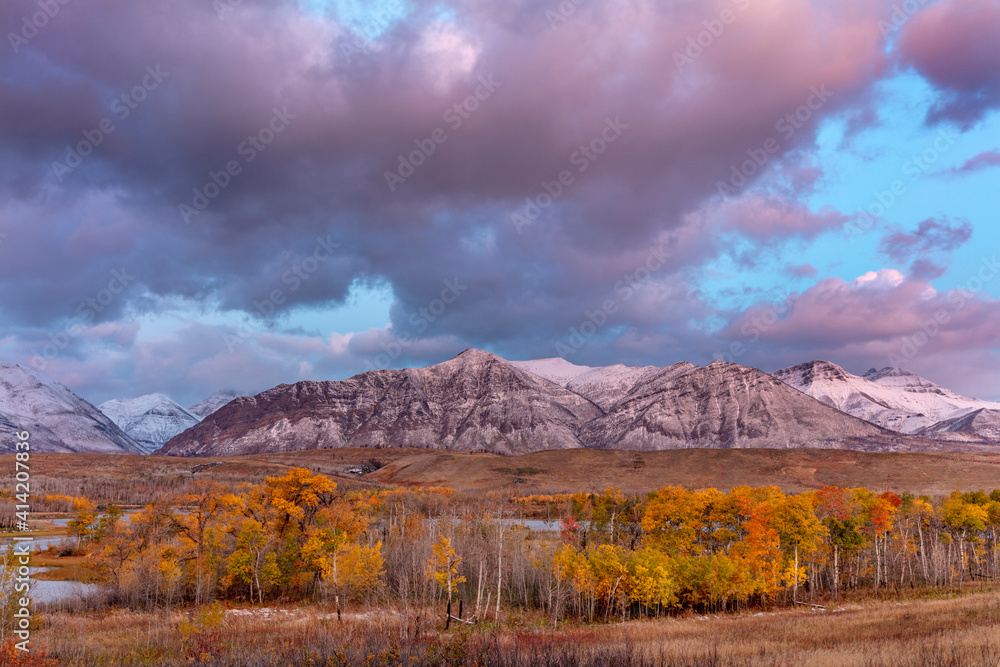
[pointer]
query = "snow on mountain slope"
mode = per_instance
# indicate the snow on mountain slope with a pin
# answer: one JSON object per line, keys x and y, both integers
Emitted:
{"x": 892, "y": 398}
{"x": 978, "y": 424}
{"x": 724, "y": 405}
{"x": 214, "y": 402}
{"x": 475, "y": 401}
{"x": 556, "y": 369}
{"x": 657, "y": 379}
{"x": 58, "y": 419}
{"x": 150, "y": 420}
{"x": 610, "y": 384}
{"x": 899, "y": 379}
{"x": 604, "y": 385}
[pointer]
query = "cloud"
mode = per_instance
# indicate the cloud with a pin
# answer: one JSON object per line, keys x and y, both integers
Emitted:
{"x": 768, "y": 217}
{"x": 324, "y": 173}
{"x": 878, "y": 319}
{"x": 801, "y": 270}
{"x": 953, "y": 45}
{"x": 983, "y": 160}
{"x": 934, "y": 237}
{"x": 517, "y": 102}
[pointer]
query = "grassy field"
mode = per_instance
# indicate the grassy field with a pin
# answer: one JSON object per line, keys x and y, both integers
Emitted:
{"x": 923, "y": 628}
{"x": 946, "y": 631}
{"x": 792, "y": 470}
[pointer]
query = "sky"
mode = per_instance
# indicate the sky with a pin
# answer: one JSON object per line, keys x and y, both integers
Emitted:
{"x": 206, "y": 194}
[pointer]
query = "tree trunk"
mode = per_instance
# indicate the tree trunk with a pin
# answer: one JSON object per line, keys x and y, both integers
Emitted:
{"x": 795, "y": 584}
{"x": 499, "y": 565}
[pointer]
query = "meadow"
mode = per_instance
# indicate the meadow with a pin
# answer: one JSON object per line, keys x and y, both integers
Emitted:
{"x": 336, "y": 558}
{"x": 932, "y": 630}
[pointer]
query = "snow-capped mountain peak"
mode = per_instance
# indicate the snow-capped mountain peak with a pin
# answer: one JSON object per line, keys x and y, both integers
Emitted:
{"x": 890, "y": 397}
{"x": 604, "y": 385}
{"x": 58, "y": 419}
{"x": 214, "y": 402}
{"x": 150, "y": 420}
{"x": 554, "y": 369}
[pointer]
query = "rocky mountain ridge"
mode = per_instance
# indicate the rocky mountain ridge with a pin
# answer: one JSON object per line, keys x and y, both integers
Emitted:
{"x": 894, "y": 399}
{"x": 475, "y": 401}
{"x": 214, "y": 402}
{"x": 150, "y": 420}
{"x": 478, "y": 401}
{"x": 57, "y": 419}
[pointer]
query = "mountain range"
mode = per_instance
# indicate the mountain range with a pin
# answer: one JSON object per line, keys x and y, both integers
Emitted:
{"x": 475, "y": 401}
{"x": 478, "y": 401}
{"x": 150, "y": 420}
{"x": 57, "y": 419}
{"x": 898, "y": 400}
{"x": 153, "y": 419}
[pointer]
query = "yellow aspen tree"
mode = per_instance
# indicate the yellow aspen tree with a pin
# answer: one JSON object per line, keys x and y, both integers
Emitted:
{"x": 442, "y": 567}
{"x": 207, "y": 502}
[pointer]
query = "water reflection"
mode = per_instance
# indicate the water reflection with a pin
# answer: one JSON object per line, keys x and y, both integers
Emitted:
{"x": 59, "y": 591}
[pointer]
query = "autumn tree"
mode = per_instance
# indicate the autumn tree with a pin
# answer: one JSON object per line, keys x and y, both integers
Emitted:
{"x": 442, "y": 568}
{"x": 203, "y": 506}
{"x": 254, "y": 561}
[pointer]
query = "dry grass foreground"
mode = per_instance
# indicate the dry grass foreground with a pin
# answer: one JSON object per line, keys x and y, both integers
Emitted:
{"x": 954, "y": 631}
{"x": 792, "y": 470}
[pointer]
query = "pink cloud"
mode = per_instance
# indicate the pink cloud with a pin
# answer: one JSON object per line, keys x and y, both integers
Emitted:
{"x": 953, "y": 44}
{"x": 984, "y": 160}
{"x": 879, "y": 319}
{"x": 118, "y": 333}
{"x": 801, "y": 270}
{"x": 933, "y": 235}
{"x": 769, "y": 217}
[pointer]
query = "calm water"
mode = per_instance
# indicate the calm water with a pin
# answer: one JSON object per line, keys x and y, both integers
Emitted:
{"x": 38, "y": 544}
{"x": 54, "y": 591}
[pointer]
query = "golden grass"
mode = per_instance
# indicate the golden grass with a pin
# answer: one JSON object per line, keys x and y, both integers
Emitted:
{"x": 793, "y": 470}
{"x": 957, "y": 631}
{"x": 51, "y": 532}
{"x": 69, "y": 573}
{"x": 861, "y": 634}
{"x": 49, "y": 559}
